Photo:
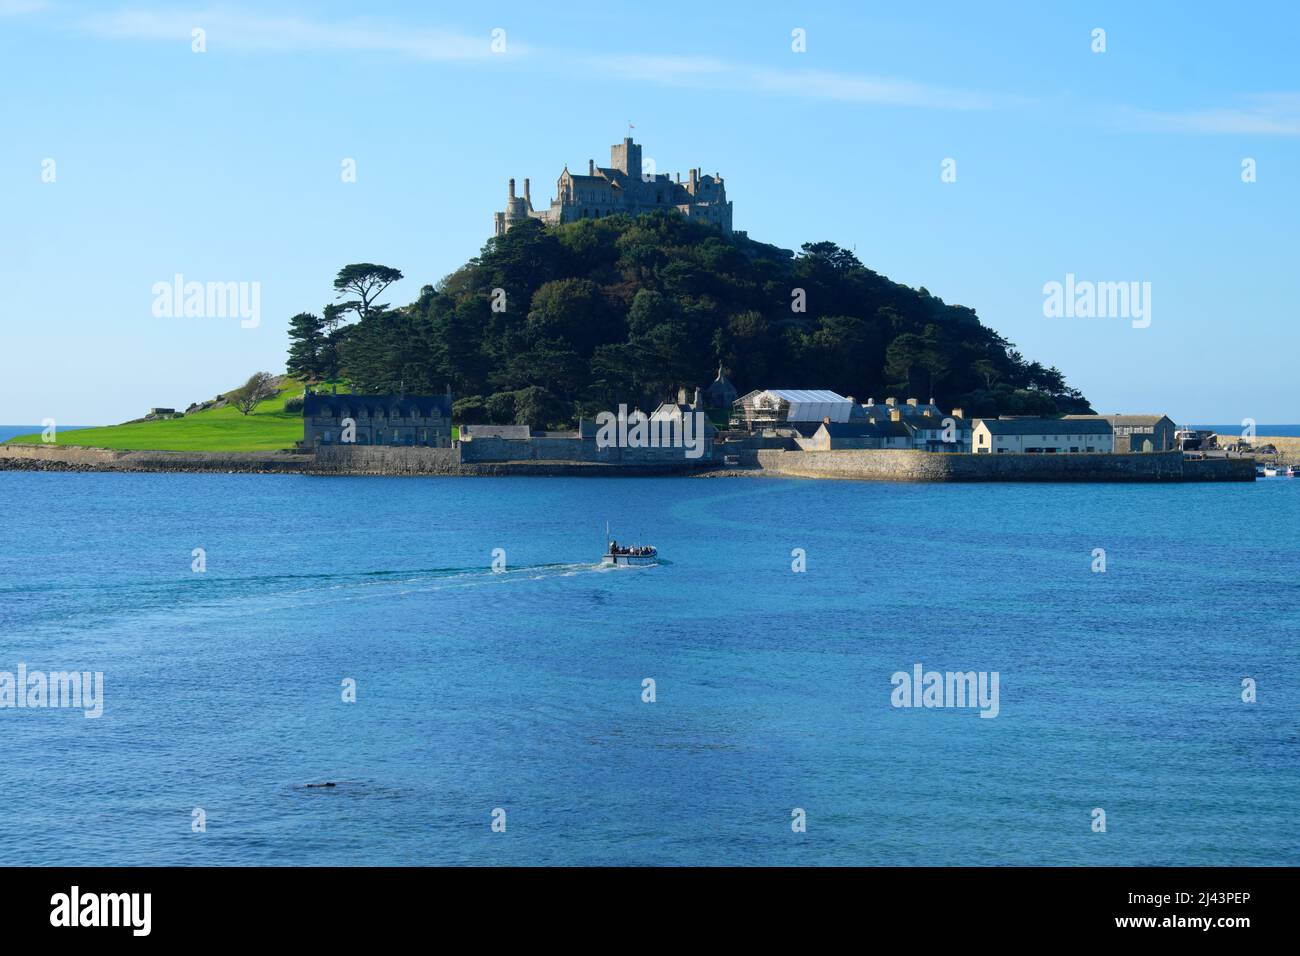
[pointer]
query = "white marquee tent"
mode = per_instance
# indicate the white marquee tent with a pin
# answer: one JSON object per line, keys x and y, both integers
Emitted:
{"x": 809, "y": 405}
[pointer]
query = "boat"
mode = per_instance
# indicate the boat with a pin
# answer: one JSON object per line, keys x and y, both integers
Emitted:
{"x": 1270, "y": 471}
{"x": 633, "y": 555}
{"x": 627, "y": 554}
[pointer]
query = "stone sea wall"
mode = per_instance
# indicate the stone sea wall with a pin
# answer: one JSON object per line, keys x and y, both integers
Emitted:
{"x": 382, "y": 460}
{"x": 907, "y": 465}
{"x": 861, "y": 465}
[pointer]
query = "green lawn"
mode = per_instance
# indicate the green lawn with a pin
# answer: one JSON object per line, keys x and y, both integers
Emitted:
{"x": 268, "y": 428}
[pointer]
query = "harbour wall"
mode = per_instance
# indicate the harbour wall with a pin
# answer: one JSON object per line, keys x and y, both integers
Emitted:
{"x": 383, "y": 460}
{"x": 860, "y": 465}
{"x": 909, "y": 465}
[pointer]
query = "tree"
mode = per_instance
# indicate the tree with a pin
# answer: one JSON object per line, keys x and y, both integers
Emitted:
{"x": 987, "y": 371}
{"x": 307, "y": 344}
{"x": 904, "y": 354}
{"x": 259, "y": 387}
{"x": 367, "y": 282}
{"x": 550, "y": 322}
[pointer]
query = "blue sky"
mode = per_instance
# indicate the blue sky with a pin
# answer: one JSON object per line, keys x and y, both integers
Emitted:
{"x": 224, "y": 166}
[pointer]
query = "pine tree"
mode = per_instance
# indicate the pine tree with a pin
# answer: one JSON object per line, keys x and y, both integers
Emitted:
{"x": 307, "y": 347}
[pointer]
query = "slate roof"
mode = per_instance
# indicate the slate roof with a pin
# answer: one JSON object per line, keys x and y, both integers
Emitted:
{"x": 1046, "y": 426}
{"x": 508, "y": 432}
{"x": 375, "y": 406}
{"x": 852, "y": 430}
{"x": 937, "y": 422}
{"x": 1144, "y": 420}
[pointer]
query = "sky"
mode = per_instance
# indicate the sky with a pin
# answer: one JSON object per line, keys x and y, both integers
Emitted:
{"x": 128, "y": 157}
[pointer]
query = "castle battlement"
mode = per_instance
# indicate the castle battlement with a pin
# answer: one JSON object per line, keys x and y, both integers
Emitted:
{"x": 622, "y": 188}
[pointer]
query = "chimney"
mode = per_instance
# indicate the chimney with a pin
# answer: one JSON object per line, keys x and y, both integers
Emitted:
{"x": 526, "y": 193}
{"x": 696, "y": 403}
{"x": 850, "y": 398}
{"x": 695, "y": 180}
{"x": 891, "y": 401}
{"x": 895, "y": 415}
{"x": 871, "y": 401}
{"x": 912, "y": 402}
{"x": 591, "y": 167}
{"x": 512, "y": 188}
{"x": 679, "y": 177}
{"x": 529, "y": 199}
{"x": 681, "y": 396}
{"x": 957, "y": 413}
{"x": 826, "y": 419}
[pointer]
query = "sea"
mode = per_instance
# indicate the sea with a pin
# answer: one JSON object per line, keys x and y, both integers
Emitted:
{"x": 448, "y": 653}
{"x": 13, "y": 431}
{"x": 1280, "y": 431}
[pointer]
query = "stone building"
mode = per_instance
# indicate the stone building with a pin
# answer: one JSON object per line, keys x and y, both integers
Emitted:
{"x": 721, "y": 393}
{"x": 376, "y": 420}
{"x": 1138, "y": 432}
{"x": 623, "y": 187}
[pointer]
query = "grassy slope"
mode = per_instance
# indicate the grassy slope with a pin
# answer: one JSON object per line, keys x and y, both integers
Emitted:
{"x": 268, "y": 428}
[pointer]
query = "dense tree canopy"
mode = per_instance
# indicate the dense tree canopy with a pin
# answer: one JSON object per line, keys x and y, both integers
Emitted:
{"x": 551, "y": 323}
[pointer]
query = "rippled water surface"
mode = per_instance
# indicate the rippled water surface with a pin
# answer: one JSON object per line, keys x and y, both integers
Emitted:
{"x": 523, "y": 689}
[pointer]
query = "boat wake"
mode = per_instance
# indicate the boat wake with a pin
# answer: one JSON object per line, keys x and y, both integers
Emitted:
{"x": 199, "y": 598}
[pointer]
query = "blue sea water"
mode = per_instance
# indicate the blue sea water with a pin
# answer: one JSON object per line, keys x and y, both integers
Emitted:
{"x": 1275, "y": 430}
{"x": 13, "y": 431}
{"x": 522, "y": 690}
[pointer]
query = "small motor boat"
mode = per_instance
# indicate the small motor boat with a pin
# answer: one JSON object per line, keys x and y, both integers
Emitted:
{"x": 629, "y": 554}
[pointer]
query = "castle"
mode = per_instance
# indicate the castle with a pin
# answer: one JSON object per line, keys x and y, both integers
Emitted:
{"x": 622, "y": 188}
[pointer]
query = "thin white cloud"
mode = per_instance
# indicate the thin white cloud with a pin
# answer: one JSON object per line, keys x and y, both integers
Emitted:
{"x": 18, "y": 8}
{"x": 713, "y": 74}
{"x": 1270, "y": 114}
{"x": 240, "y": 30}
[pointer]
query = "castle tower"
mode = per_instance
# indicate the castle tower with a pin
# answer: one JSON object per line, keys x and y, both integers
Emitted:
{"x": 621, "y": 189}
{"x": 626, "y": 157}
{"x": 516, "y": 207}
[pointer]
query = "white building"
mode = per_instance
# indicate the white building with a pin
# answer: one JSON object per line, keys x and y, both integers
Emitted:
{"x": 1041, "y": 436}
{"x": 768, "y": 408}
